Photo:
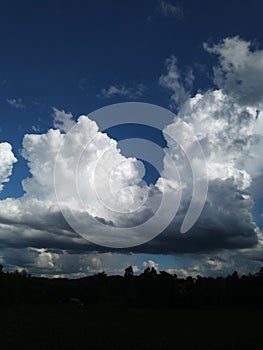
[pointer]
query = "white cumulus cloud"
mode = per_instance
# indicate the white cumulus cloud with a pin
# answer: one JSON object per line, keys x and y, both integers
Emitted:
{"x": 7, "y": 159}
{"x": 231, "y": 137}
{"x": 36, "y": 219}
{"x": 240, "y": 70}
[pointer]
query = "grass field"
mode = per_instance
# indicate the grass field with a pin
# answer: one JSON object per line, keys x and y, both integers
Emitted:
{"x": 73, "y": 327}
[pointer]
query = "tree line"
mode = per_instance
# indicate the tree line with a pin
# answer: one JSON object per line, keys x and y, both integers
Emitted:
{"x": 149, "y": 289}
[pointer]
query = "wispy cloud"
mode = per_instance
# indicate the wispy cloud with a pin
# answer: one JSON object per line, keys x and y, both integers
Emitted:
{"x": 36, "y": 128}
{"x": 173, "y": 80}
{"x": 167, "y": 9}
{"x": 16, "y": 103}
{"x": 38, "y": 104}
{"x": 83, "y": 83}
{"x": 132, "y": 92}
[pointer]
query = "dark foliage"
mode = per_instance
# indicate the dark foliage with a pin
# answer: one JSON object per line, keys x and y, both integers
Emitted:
{"x": 148, "y": 289}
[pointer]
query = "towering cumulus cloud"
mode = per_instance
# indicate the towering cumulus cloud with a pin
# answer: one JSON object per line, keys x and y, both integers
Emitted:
{"x": 232, "y": 139}
{"x": 35, "y": 219}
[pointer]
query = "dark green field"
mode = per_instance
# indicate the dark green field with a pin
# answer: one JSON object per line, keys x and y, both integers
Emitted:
{"x": 72, "y": 327}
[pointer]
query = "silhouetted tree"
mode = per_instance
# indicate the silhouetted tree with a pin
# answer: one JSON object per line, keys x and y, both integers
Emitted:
{"x": 147, "y": 270}
{"x": 153, "y": 272}
{"x": 260, "y": 273}
{"x": 128, "y": 271}
{"x": 235, "y": 275}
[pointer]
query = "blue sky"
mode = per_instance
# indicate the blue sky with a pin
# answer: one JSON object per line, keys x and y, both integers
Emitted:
{"x": 63, "y": 54}
{"x": 79, "y": 56}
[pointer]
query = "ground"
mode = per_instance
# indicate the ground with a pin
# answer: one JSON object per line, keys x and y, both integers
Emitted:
{"x": 71, "y": 327}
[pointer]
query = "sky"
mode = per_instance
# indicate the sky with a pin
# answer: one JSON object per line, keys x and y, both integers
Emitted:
{"x": 110, "y": 110}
